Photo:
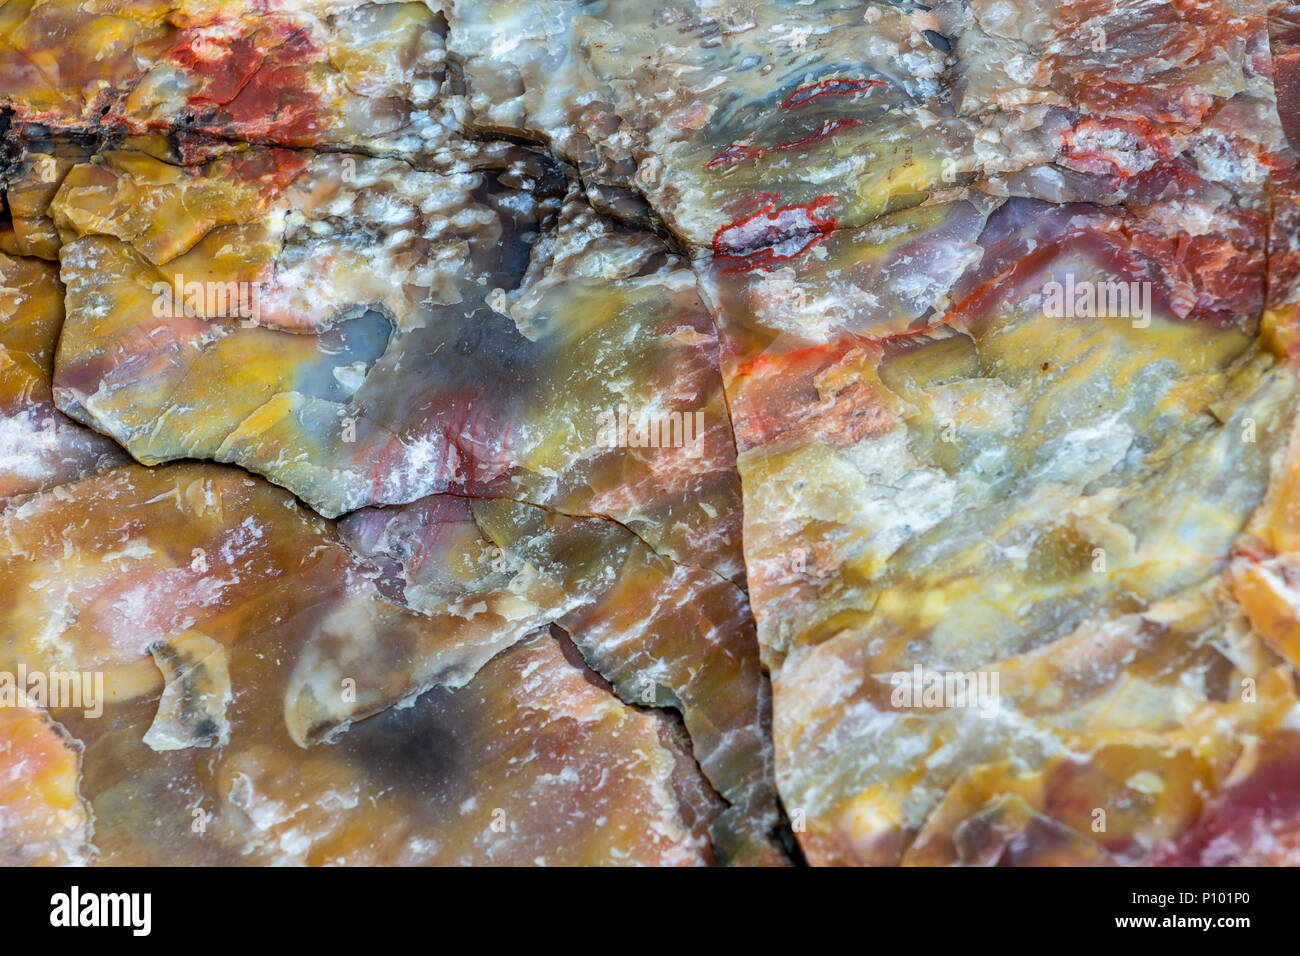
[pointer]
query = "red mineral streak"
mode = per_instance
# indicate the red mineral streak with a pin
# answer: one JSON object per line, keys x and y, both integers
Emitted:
{"x": 833, "y": 86}
{"x": 844, "y": 418}
{"x": 481, "y": 436}
{"x": 1018, "y": 275}
{"x": 1181, "y": 105}
{"x": 829, "y": 128}
{"x": 1210, "y": 278}
{"x": 1189, "y": 33}
{"x": 1089, "y": 146}
{"x": 738, "y": 151}
{"x": 779, "y": 397}
{"x": 228, "y": 68}
{"x": 1165, "y": 179}
{"x": 733, "y": 154}
{"x": 256, "y": 82}
{"x": 196, "y": 149}
{"x": 773, "y": 234}
{"x": 1253, "y": 552}
{"x": 1216, "y": 278}
{"x": 818, "y": 358}
{"x": 1284, "y": 42}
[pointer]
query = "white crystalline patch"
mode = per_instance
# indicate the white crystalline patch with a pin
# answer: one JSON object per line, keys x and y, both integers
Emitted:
{"x": 388, "y": 210}
{"x": 425, "y": 463}
{"x": 351, "y": 376}
{"x": 1292, "y": 719}
{"x": 1091, "y": 450}
{"x": 785, "y": 231}
{"x": 920, "y": 65}
{"x": 1000, "y": 18}
{"x": 789, "y": 247}
{"x": 1280, "y": 587}
{"x": 244, "y": 535}
{"x": 1117, "y": 145}
{"x": 59, "y": 615}
{"x": 885, "y": 231}
{"x": 521, "y": 203}
{"x": 24, "y": 443}
{"x": 1226, "y": 848}
{"x": 915, "y": 287}
{"x": 134, "y": 551}
{"x": 470, "y": 217}
{"x": 12, "y": 295}
{"x": 136, "y": 610}
{"x": 1194, "y": 219}
{"x": 399, "y": 237}
{"x": 211, "y": 43}
{"x": 899, "y": 498}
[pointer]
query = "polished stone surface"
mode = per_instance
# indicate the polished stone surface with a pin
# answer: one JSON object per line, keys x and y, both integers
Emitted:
{"x": 578, "y": 432}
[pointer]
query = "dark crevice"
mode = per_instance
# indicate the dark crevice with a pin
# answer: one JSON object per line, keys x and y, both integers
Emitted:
{"x": 780, "y": 833}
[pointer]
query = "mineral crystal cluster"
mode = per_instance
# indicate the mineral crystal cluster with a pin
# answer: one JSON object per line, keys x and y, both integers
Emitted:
{"x": 674, "y": 432}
